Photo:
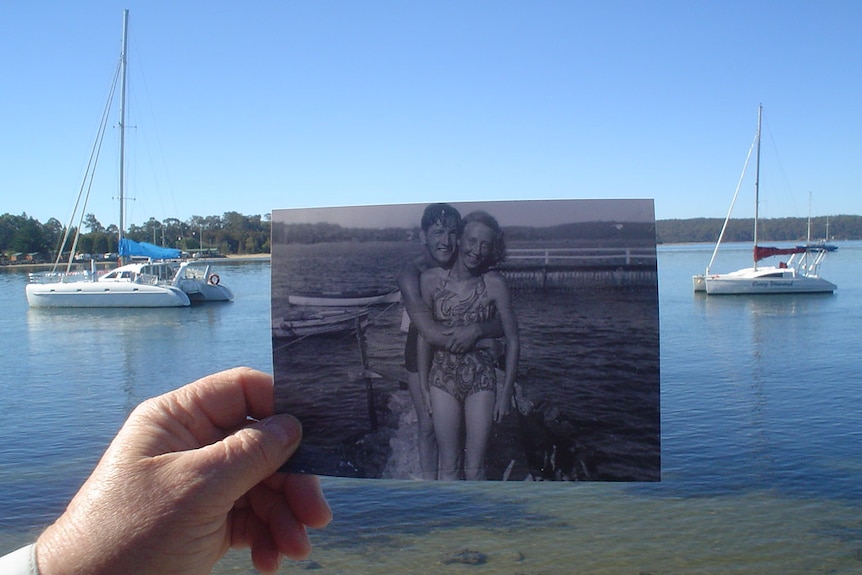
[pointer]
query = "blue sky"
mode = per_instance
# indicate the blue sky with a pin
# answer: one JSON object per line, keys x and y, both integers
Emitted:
{"x": 254, "y": 106}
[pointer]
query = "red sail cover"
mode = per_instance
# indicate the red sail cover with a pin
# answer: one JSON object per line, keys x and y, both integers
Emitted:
{"x": 761, "y": 252}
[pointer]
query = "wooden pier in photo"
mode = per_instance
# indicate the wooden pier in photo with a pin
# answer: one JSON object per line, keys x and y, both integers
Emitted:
{"x": 580, "y": 268}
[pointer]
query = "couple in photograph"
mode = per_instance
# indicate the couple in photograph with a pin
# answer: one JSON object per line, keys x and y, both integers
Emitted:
{"x": 460, "y": 313}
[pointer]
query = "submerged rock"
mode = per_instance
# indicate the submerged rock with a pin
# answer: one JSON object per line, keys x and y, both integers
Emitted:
{"x": 466, "y": 557}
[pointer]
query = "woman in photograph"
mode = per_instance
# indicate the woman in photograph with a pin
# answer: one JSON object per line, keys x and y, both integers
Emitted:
{"x": 463, "y": 386}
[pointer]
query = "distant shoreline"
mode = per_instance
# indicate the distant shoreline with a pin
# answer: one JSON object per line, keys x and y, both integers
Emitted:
{"x": 246, "y": 257}
{"x": 110, "y": 264}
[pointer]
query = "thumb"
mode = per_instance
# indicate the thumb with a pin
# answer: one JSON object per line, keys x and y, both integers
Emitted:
{"x": 242, "y": 460}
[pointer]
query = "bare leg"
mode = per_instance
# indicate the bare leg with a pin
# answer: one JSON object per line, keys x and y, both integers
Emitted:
{"x": 448, "y": 414}
{"x": 478, "y": 415}
{"x": 427, "y": 441}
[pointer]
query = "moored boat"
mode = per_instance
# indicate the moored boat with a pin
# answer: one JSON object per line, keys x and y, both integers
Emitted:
{"x": 200, "y": 283}
{"x": 142, "y": 284}
{"x": 136, "y": 284}
{"x": 799, "y": 274}
{"x": 345, "y": 298}
{"x": 305, "y": 321}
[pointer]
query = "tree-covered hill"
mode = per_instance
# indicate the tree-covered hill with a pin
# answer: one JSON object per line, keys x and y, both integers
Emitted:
{"x": 230, "y": 233}
{"x": 842, "y": 227}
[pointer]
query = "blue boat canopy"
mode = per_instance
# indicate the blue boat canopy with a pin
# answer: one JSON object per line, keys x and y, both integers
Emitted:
{"x": 129, "y": 248}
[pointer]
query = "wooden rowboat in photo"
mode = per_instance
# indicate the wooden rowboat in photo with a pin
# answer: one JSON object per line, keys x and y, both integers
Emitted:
{"x": 345, "y": 298}
{"x": 304, "y": 322}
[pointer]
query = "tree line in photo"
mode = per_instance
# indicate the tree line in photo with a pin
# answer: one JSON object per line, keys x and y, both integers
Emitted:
{"x": 603, "y": 232}
{"x": 236, "y": 233}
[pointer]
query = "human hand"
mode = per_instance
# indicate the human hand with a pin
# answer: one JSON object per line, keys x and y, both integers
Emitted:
{"x": 186, "y": 478}
{"x": 463, "y": 338}
{"x": 501, "y": 407}
{"x": 426, "y": 398}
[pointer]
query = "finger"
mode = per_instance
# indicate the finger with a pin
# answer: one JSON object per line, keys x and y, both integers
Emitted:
{"x": 264, "y": 553}
{"x": 229, "y": 397}
{"x": 247, "y": 457}
{"x": 285, "y": 530}
{"x": 305, "y": 497}
{"x": 289, "y": 534}
{"x": 247, "y": 530}
{"x": 202, "y": 412}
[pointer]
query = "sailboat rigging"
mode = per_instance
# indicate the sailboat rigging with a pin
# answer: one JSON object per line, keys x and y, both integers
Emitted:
{"x": 141, "y": 284}
{"x": 800, "y": 274}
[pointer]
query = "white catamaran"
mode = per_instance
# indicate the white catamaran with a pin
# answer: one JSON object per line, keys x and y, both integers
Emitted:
{"x": 152, "y": 280}
{"x": 799, "y": 274}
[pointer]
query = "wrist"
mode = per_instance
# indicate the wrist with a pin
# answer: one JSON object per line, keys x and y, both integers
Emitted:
{"x": 64, "y": 550}
{"x": 54, "y": 554}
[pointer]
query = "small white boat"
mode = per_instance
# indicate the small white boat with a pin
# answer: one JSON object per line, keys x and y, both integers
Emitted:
{"x": 781, "y": 279}
{"x": 199, "y": 282}
{"x": 800, "y": 274}
{"x": 346, "y": 298}
{"x": 144, "y": 284}
{"x": 303, "y": 322}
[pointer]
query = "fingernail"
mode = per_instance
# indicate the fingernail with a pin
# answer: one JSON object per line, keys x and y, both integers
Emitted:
{"x": 285, "y": 428}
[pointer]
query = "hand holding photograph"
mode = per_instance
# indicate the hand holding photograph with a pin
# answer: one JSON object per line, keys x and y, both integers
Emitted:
{"x": 510, "y": 340}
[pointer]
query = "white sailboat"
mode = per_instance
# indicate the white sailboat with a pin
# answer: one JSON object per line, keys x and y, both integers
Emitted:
{"x": 800, "y": 274}
{"x": 138, "y": 284}
{"x": 817, "y": 244}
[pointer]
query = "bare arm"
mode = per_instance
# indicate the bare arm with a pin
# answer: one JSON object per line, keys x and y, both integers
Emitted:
{"x": 503, "y": 302}
{"x": 454, "y": 339}
{"x": 424, "y": 355}
{"x": 424, "y": 352}
{"x": 417, "y": 308}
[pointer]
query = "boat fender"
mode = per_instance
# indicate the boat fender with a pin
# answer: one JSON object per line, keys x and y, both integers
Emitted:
{"x": 214, "y": 279}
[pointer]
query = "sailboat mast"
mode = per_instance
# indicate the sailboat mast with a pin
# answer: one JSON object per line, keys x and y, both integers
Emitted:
{"x": 123, "y": 62}
{"x": 757, "y": 185}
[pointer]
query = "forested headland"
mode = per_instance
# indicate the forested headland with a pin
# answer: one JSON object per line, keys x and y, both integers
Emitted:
{"x": 23, "y": 238}
{"x": 696, "y": 230}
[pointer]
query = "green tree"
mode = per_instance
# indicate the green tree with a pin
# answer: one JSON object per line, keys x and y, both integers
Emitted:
{"x": 92, "y": 224}
{"x": 29, "y": 238}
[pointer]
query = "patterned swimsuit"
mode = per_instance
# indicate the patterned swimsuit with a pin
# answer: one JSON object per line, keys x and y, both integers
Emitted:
{"x": 462, "y": 375}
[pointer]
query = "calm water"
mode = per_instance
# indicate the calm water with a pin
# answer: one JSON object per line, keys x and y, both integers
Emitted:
{"x": 588, "y": 377}
{"x": 761, "y": 437}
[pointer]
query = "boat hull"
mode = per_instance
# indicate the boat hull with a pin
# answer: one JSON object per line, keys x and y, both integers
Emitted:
{"x": 766, "y": 281}
{"x": 207, "y": 293}
{"x": 304, "y": 323}
{"x": 344, "y": 299}
{"x": 84, "y": 294}
{"x": 198, "y": 281}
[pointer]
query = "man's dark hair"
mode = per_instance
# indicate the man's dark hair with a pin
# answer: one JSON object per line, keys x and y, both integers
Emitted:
{"x": 440, "y": 214}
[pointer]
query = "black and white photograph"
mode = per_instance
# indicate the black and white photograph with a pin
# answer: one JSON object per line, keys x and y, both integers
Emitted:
{"x": 505, "y": 340}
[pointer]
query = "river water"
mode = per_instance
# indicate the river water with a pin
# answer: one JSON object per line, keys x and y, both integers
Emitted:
{"x": 761, "y": 448}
